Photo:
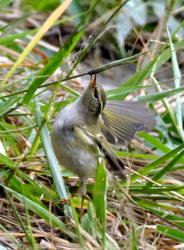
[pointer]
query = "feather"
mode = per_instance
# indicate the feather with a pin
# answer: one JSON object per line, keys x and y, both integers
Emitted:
{"x": 114, "y": 163}
{"x": 121, "y": 120}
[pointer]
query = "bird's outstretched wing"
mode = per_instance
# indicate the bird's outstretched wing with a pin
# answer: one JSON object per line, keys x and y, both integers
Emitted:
{"x": 123, "y": 119}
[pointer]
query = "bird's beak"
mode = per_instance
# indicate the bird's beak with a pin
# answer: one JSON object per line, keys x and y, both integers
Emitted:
{"x": 93, "y": 81}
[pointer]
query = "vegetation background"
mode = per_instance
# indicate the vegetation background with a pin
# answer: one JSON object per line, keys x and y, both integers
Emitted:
{"x": 48, "y": 49}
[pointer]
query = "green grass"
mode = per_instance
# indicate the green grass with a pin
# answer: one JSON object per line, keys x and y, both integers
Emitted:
{"x": 36, "y": 195}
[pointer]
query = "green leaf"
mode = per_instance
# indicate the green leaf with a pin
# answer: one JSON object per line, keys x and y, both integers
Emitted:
{"x": 116, "y": 94}
{"x": 74, "y": 213}
{"x": 136, "y": 155}
{"x": 8, "y": 103}
{"x": 99, "y": 197}
{"x": 52, "y": 161}
{"x": 12, "y": 37}
{"x": 166, "y": 54}
{"x": 133, "y": 238}
{"x": 28, "y": 233}
{"x": 162, "y": 211}
{"x": 18, "y": 185}
{"x": 171, "y": 232}
{"x": 168, "y": 167}
{"x": 59, "y": 57}
{"x": 115, "y": 63}
{"x": 159, "y": 96}
{"x": 4, "y": 3}
{"x": 39, "y": 210}
{"x": 138, "y": 77}
{"x": 7, "y": 161}
{"x": 154, "y": 141}
{"x": 53, "y": 64}
{"x": 97, "y": 36}
{"x": 177, "y": 83}
{"x": 145, "y": 170}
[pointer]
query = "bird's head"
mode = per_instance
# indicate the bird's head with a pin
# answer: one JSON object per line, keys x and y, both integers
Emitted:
{"x": 94, "y": 98}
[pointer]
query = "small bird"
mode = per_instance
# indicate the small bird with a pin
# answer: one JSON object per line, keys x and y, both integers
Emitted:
{"x": 85, "y": 130}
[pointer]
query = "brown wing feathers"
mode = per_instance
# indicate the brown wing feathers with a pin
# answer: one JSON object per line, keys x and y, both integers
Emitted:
{"x": 115, "y": 165}
{"x": 123, "y": 119}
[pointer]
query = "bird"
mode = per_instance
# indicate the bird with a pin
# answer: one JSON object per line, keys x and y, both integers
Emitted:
{"x": 88, "y": 128}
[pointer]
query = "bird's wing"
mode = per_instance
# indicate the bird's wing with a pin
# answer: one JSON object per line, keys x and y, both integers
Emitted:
{"x": 114, "y": 164}
{"x": 123, "y": 119}
{"x": 85, "y": 139}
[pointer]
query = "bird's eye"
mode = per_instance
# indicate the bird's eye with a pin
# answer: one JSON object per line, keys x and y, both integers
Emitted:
{"x": 96, "y": 93}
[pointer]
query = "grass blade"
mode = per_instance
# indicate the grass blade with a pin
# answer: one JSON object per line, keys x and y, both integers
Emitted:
{"x": 52, "y": 65}
{"x": 45, "y": 27}
{"x": 39, "y": 210}
{"x": 168, "y": 167}
{"x": 3, "y": 3}
{"x": 138, "y": 77}
{"x": 177, "y": 79}
{"x": 99, "y": 198}
{"x": 76, "y": 222}
{"x": 155, "y": 142}
{"x": 171, "y": 232}
{"x": 145, "y": 170}
{"x": 133, "y": 238}
{"x": 159, "y": 96}
{"x": 52, "y": 161}
{"x": 116, "y": 94}
{"x": 28, "y": 233}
